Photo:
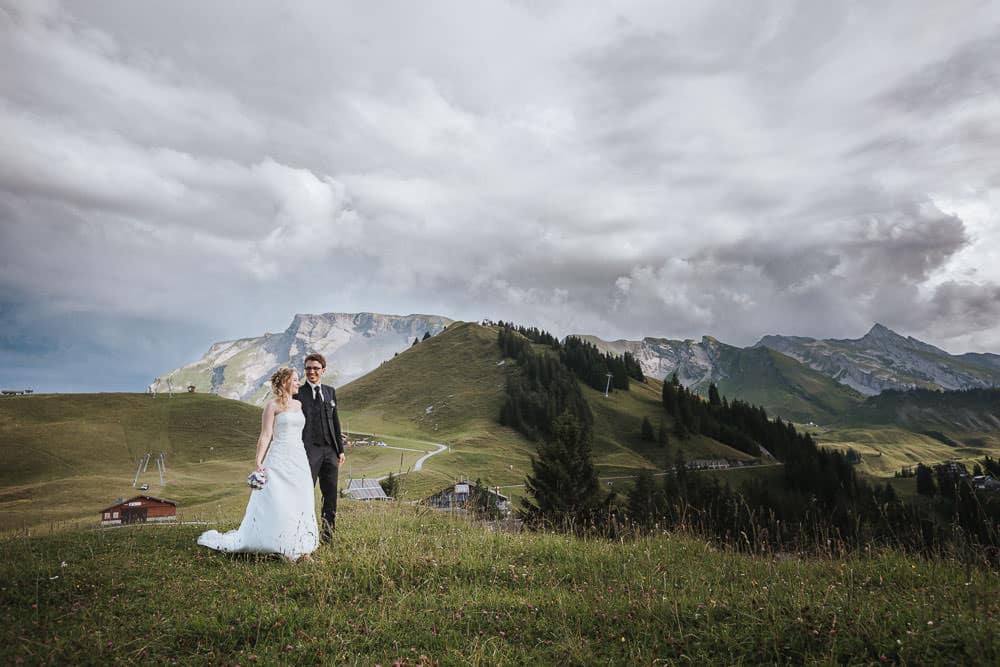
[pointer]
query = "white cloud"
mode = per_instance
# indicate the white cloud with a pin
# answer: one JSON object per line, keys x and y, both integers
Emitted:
{"x": 635, "y": 169}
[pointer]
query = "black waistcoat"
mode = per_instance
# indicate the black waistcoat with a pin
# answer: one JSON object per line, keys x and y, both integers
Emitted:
{"x": 317, "y": 429}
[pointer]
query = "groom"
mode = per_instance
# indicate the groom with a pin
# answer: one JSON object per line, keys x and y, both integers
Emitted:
{"x": 322, "y": 437}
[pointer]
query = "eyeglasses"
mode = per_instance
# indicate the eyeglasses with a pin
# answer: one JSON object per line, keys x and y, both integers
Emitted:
{"x": 314, "y": 368}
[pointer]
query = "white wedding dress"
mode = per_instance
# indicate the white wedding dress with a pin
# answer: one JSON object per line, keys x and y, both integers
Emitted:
{"x": 281, "y": 517}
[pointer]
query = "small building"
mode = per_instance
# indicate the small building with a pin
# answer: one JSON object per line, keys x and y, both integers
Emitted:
{"x": 986, "y": 483}
{"x": 457, "y": 496}
{"x": 951, "y": 471}
{"x": 139, "y": 509}
{"x": 708, "y": 464}
{"x": 364, "y": 489}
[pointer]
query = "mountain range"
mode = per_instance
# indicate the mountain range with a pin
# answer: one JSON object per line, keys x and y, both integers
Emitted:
{"x": 353, "y": 344}
{"x": 881, "y": 359}
{"x": 799, "y": 378}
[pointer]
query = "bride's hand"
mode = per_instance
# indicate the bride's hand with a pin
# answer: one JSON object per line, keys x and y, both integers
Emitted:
{"x": 261, "y": 468}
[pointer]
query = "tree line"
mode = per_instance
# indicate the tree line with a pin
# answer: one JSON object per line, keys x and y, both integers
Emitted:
{"x": 543, "y": 390}
{"x": 817, "y": 500}
{"x": 588, "y": 363}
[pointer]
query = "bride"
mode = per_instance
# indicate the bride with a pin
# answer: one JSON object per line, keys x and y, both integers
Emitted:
{"x": 281, "y": 517}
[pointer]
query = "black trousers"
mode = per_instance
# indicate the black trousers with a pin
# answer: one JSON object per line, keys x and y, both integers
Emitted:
{"x": 325, "y": 466}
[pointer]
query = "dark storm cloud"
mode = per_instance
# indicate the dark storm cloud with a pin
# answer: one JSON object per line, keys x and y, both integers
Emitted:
{"x": 971, "y": 71}
{"x": 639, "y": 169}
{"x": 955, "y": 306}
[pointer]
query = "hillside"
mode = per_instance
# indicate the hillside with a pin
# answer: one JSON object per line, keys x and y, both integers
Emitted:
{"x": 446, "y": 389}
{"x": 882, "y": 359}
{"x": 45, "y": 437}
{"x": 782, "y": 385}
{"x": 899, "y": 428}
{"x": 450, "y": 388}
{"x": 971, "y": 410}
{"x": 64, "y": 456}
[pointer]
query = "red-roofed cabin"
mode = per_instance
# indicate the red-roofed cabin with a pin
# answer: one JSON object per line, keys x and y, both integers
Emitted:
{"x": 139, "y": 510}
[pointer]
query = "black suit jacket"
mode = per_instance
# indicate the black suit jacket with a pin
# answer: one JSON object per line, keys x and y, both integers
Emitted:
{"x": 328, "y": 411}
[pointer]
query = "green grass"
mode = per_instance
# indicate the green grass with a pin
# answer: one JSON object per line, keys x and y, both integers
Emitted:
{"x": 617, "y": 423}
{"x": 65, "y": 457}
{"x": 887, "y": 449}
{"x": 50, "y": 436}
{"x": 785, "y": 387}
{"x": 398, "y": 584}
{"x": 456, "y": 375}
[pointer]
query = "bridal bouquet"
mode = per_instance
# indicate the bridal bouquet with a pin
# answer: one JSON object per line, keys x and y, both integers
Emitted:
{"x": 256, "y": 480}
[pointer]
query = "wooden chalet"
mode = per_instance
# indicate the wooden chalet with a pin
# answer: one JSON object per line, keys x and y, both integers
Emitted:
{"x": 139, "y": 509}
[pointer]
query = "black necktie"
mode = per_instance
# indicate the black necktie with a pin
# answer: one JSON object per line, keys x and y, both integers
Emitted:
{"x": 316, "y": 396}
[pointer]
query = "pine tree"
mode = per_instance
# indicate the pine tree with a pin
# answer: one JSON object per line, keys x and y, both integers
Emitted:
{"x": 390, "y": 485}
{"x": 427, "y": 334}
{"x": 713, "y": 396}
{"x": 563, "y": 486}
{"x": 415, "y": 341}
{"x": 680, "y": 470}
{"x": 642, "y": 500}
{"x": 647, "y": 430}
{"x": 925, "y": 481}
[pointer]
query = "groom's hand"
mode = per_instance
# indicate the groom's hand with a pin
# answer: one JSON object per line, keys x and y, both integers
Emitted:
{"x": 340, "y": 459}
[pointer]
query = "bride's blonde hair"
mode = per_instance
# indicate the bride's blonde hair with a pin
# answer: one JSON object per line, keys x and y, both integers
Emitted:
{"x": 278, "y": 382}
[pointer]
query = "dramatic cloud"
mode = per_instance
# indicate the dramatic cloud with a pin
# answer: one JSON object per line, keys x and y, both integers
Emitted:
{"x": 173, "y": 174}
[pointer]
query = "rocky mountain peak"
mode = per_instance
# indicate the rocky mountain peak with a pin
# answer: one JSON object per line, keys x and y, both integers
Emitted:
{"x": 883, "y": 359}
{"x": 353, "y": 344}
{"x": 881, "y": 332}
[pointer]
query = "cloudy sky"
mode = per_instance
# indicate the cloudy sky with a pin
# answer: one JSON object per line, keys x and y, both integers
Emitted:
{"x": 177, "y": 173}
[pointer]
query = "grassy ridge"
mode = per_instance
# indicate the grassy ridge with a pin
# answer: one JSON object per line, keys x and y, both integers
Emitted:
{"x": 450, "y": 388}
{"x": 446, "y": 389}
{"x": 784, "y": 386}
{"x": 400, "y": 584}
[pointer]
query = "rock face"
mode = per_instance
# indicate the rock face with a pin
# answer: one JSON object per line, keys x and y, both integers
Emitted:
{"x": 696, "y": 362}
{"x": 883, "y": 359}
{"x": 353, "y": 344}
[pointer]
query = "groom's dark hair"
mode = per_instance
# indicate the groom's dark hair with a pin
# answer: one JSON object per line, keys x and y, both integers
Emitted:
{"x": 315, "y": 356}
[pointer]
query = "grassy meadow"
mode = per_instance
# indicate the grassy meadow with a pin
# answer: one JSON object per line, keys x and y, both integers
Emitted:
{"x": 885, "y": 449}
{"x": 418, "y": 587}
